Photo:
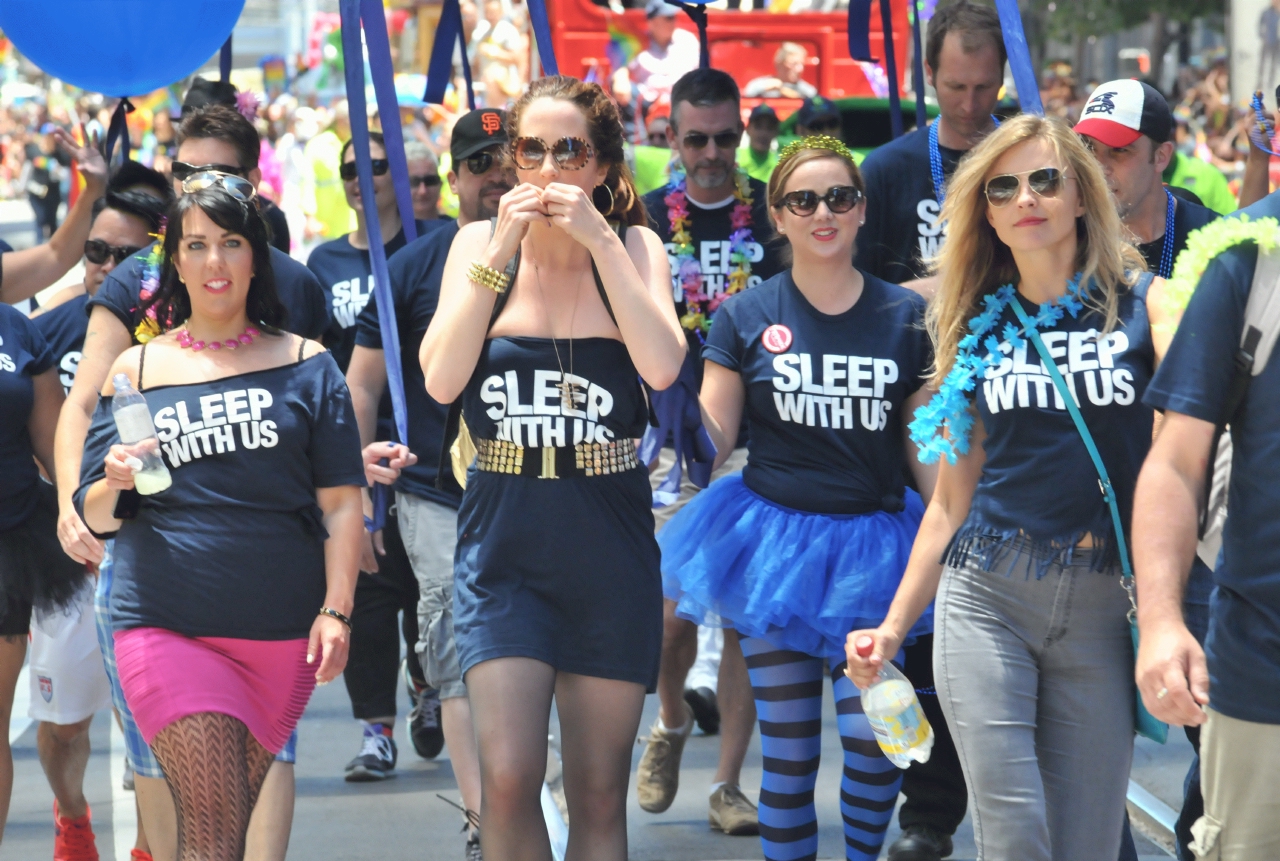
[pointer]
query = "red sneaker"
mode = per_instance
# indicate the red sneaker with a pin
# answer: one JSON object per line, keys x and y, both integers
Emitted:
{"x": 73, "y": 838}
{"x": 140, "y": 855}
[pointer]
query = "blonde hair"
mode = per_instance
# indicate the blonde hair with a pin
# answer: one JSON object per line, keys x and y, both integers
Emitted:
{"x": 974, "y": 261}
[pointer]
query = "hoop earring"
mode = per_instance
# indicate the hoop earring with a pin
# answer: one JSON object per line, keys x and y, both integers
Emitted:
{"x": 603, "y": 209}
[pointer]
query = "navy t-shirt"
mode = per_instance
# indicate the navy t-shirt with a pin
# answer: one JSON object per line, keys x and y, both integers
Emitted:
{"x": 1243, "y": 647}
{"x": 346, "y": 275}
{"x": 710, "y": 229}
{"x": 1038, "y": 481}
{"x": 902, "y": 229}
{"x": 23, "y": 355}
{"x": 415, "y": 272}
{"x": 301, "y": 294}
{"x": 235, "y": 547}
{"x": 824, "y": 392}
{"x": 64, "y": 327}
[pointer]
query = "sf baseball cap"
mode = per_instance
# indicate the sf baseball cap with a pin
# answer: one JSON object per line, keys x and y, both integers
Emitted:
{"x": 476, "y": 131}
{"x": 1119, "y": 111}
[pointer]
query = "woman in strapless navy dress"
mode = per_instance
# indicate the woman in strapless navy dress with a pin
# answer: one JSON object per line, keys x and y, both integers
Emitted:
{"x": 557, "y": 584}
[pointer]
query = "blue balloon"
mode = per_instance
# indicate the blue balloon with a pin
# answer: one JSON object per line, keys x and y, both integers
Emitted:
{"x": 119, "y": 47}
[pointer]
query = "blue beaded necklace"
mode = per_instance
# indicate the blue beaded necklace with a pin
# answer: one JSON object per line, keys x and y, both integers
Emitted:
{"x": 1166, "y": 253}
{"x": 935, "y": 161}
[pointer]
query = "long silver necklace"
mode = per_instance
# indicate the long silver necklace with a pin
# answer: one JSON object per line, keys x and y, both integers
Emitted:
{"x": 570, "y": 392}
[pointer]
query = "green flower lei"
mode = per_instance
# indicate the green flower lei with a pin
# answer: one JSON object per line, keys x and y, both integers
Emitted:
{"x": 1207, "y": 243}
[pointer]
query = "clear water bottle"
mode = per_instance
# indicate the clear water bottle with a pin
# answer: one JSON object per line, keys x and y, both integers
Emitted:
{"x": 894, "y": 712}
{"x": 138, "y": 436}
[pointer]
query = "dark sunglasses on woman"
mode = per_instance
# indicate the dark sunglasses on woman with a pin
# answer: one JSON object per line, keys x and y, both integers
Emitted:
{"x": 180, "y": 170}
{"x": 839, "y": 199}
{"x": 430, "y": 180}
{"x": 378, "y": 166}
{"x": 97, "y": 251}
{"x": 568, "y": 153}
{"x": 724, "y": 140}
{"x": 1045, "y": 182}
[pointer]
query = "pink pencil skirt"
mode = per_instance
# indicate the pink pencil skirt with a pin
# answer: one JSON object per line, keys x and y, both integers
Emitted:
{"x": 166, "y": 676}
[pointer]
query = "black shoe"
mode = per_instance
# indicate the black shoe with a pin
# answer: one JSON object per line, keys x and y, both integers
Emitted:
{"x": 473, "y": 847}
{"x": 424, "y": 718}
{"x": 705, "y": 711}
{"x": 377, "y": 757}
{"x": 920, "y": 843}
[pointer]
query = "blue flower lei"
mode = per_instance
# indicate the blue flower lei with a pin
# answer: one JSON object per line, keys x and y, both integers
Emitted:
{"x": 950, "y": 406}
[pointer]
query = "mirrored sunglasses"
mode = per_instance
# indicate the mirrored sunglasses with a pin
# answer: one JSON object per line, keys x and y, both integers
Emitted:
{"x": 1045, "y": 182}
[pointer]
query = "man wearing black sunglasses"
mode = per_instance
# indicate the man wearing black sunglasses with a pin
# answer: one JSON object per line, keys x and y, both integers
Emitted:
{"x": 424, "y": 180}
{"x": 907, "y": 178}
{"x": 705, "y": 133}
{"x": 427, "y": 515}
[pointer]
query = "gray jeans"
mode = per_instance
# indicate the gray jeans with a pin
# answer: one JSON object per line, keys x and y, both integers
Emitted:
{"x": 1035, "y": 678}
{"x": 429, "y": 531}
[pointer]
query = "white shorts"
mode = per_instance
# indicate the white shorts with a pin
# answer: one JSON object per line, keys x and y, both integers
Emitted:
{"x": 68, "y": 681}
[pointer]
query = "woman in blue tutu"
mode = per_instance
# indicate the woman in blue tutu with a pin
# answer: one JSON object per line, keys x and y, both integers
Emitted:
{"x": 810, "y": 540}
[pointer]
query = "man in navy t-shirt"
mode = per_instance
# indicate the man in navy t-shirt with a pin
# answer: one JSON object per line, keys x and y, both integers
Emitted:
{"x": 427, "y": 504}
{"x": 906, "y": 179}
{"x": 1232, "y": 686}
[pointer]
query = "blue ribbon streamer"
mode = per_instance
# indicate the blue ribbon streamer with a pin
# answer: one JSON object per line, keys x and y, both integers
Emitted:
{"x": 440, "y": 69}
{"x": 224, "y": 61}
{"x": 384, "y": 89}
{"x": 698, "y": 14}
{"x": 354, "y": 73}
{"x": 917, "y": 66}
{"x": 891, "y": 68}
{"x": 118, "y": 129}
{"x": 1015, "y": 45}
{"x": 542, "y": 34}
{"x": 680, "y": 421}
{"x": 860, "y": 31}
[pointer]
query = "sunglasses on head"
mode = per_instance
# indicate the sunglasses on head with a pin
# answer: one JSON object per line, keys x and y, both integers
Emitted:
{"x": 568, "y": 153}
{"x": 480, "y": 163}
{"x": 839, "y": 199}
{"x": 238, "y": 187}
{"x": 1045, "y": 182}
{"x": 724, "y": 140}
{"x": 180, "y": 170}
{"x": 97, "y": 251}
{"x": 378, "y": 166}
{"x": 430, "y": 180}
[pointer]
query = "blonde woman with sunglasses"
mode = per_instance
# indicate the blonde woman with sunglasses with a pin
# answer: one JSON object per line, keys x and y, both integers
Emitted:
{"x": 1032, "y": 652}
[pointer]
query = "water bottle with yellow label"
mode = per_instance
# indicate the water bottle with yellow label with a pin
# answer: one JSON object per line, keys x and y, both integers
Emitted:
{"x": 894, "y": 712}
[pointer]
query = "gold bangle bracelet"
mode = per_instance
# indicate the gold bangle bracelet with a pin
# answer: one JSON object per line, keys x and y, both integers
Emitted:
{"x": 487, "y": 276}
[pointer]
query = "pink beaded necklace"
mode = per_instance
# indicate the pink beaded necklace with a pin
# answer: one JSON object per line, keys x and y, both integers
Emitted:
{"x": 246, "y": 338}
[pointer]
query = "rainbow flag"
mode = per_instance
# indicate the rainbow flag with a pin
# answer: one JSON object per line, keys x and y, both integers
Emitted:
{"x": 622, "y": 48}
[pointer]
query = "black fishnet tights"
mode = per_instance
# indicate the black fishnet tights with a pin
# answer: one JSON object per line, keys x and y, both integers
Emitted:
{"x": 215, "y": 769}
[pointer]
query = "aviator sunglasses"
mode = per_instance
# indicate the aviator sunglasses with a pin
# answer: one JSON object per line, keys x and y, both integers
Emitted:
{"x": 1045, "y": 182}
{"x": 97, "y": 251}
{"x": 377, "y": 166}
{"x": 723, "y": 140}
{"x": 238, "y": 187}
{"x": 839, "y": 199}
{"x": 569, "y": 153}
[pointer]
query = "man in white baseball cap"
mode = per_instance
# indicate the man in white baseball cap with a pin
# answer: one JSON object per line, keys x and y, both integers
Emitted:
{"x": 1128, "y": 126}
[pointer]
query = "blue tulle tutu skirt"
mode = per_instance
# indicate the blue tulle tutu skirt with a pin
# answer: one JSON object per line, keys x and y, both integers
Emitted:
{"x": 801, "y": 581}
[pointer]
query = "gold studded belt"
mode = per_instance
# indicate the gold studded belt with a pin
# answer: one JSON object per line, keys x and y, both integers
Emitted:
{"x": 586, "y": 458}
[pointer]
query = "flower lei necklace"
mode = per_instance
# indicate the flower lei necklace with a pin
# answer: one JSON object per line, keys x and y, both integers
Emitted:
{"x": 698, "y": 316}
{"x": 950, "y": 406}
{"x": 1207, "y": 243}
{"x": 149, "y": 326}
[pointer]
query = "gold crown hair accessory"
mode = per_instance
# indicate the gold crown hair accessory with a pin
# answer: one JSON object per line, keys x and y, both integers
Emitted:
{"x": 815, "y": 142}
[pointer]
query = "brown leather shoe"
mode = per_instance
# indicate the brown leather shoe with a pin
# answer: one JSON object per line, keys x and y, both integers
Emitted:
{"x": 732, "y": 812}
{"x": 658, "y": 776}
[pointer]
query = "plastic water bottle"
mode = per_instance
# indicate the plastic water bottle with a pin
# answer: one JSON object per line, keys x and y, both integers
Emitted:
{"x": 138, "y": 436}
{"x": 894, "y": 712}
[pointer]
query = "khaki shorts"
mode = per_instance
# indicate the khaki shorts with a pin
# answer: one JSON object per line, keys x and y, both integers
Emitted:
{"x": 688, "y": 490}
{"x": 1239, "y": 761}
{"x": 429, "y": 531}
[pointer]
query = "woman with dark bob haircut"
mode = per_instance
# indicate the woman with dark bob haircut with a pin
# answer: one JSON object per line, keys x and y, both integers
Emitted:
{"x": 233, "y": 583}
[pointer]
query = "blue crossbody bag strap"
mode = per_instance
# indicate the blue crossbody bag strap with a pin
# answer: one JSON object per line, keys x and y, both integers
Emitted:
{"x": 1145, "y": 723}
